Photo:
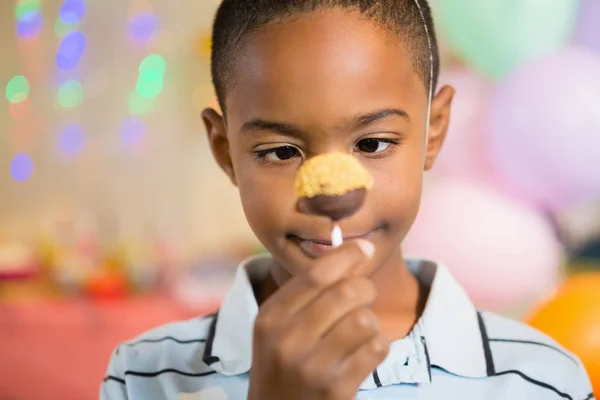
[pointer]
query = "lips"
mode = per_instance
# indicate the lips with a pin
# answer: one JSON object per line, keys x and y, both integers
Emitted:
{"x": 315, "y": 247}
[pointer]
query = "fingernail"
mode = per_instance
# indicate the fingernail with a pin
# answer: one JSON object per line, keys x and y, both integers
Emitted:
{"x": 366, "y": 247}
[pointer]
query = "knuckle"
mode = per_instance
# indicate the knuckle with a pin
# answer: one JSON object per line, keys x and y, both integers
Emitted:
{"x": 364, "y": 319}
{"x": 283, "y": 354}
{"x": 346, "y": 291}
{"x": 380, "y": 346}
{"x": 315, "y": 278}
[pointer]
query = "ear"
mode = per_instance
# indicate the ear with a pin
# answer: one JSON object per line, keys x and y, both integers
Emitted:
{"x": 438, "y": 124}
{"x": 219, "y": 143}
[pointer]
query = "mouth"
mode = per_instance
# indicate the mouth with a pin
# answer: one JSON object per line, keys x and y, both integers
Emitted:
{"x": 314, "y": 247}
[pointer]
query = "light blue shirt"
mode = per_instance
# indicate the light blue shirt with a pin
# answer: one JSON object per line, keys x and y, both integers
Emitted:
{"x": 453, "y": 352}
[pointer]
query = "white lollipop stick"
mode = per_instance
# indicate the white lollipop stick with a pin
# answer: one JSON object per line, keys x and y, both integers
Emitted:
{"x": 336, "y": 236}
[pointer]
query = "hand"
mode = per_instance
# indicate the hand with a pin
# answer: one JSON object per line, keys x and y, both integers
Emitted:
{"x": 316, "y": 338}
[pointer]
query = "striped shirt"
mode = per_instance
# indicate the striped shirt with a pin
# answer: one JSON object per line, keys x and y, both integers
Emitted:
{"x": 453, "y": 352}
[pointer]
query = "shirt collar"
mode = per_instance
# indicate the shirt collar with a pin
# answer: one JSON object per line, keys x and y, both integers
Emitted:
{"x": 449, "y": 335}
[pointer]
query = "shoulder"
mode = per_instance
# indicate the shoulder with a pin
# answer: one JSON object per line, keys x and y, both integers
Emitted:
{"x": 175, "y": 346}
{"x": 514, "y": 341}
{"x": 524, "y": 352}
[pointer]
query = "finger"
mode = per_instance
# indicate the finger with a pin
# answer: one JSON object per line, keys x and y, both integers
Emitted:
{"x": 346, "y": 337}
{"x": 341, "y": 304}
{"x": 326, "y": 271}
{"x": 360, "y": 364}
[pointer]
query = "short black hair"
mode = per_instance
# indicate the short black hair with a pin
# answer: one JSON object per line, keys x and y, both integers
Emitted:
{"x": 411, "y": 20}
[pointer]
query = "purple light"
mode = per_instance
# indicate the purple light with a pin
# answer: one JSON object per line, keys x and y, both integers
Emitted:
{"x": 21, "y": 167}
{"x": 29, "y": 24}
{"x": 133, "y": 130}
{"x": 72, "y": 11}
{"x": 71, "y": 49}
{"x": 71, "y": 140}
{"x": 143, "y": 26}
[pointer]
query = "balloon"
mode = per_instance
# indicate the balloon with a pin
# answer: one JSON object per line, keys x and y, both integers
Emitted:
{"x": 544, "y": 130}
{"x": 503, "y": 253}
{"x": 572, "y": 318}
{"x": 462, "y": 154}
{"x": 588, "y": 28}
{"x": 495, "y": 36}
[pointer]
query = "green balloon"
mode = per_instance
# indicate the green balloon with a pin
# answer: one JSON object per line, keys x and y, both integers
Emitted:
{"x": 494, "y": 36}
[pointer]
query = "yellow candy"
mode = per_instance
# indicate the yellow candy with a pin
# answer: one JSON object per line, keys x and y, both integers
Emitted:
{"x": 331, "y": 174}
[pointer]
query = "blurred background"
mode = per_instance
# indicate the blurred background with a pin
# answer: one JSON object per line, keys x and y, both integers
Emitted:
{"x": 114, "y": 218}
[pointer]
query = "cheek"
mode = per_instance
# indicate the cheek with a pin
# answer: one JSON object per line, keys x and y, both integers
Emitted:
{"x": 397, "y": 192}
{"x": 267, "y": 196}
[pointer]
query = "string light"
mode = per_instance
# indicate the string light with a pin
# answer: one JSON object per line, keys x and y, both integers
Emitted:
{"x": 71, "y": 140}
{"x": 17, "y": 89}
{"x": 72, "y": 11}
{"x": 70, "y": 94}
{"x": 70, "y": 51}
{"x": 21, "y": 167}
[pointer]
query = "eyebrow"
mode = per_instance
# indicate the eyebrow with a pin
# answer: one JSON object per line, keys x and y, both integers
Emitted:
{"x": 257, "y": 124}
{"x": 372, "y": 117}
{"x": 362, "y": 121}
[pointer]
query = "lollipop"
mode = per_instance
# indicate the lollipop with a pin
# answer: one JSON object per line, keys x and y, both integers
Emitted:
{"x": 333, "y": 185}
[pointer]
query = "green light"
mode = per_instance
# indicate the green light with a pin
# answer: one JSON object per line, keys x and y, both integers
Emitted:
{"x": 150, "y": 84}
{"x": 139, "y": 105}
{"x": 61, "y": 28}
{"x": 70, "y": 94}
{"x": 26, "y": 6}
{"x": 17, "y": 89}
{"x": 154, "y": 63}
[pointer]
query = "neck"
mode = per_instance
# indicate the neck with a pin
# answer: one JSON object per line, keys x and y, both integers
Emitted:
{"x": 400, "y": 299}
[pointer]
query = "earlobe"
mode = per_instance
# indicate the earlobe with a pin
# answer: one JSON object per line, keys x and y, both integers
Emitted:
{"x": 438, "y": 124}
{"x": 219, "y": 143}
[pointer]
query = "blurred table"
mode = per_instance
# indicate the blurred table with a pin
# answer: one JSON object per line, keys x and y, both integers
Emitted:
{"x": 60, "y": 349}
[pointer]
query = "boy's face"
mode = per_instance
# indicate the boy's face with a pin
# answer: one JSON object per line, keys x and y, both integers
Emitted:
{"x": 327, "y": 81}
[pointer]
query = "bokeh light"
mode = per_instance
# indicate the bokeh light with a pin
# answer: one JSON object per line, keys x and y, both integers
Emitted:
{"x": 21, "y": 167}
{"x": 21, "y": 135}
{"x": 29, "y": 24}
{"x": 62, "y": 28}
{"x": 143, "y": 26}
{"x": 20, "y": 110}
{"x": 17, "y": 89}
{"x": 72, "y": 11}
{"x": 24, "y": 7}
{"x": 204, "y": 44}
{"x": 150, "y": 81}
{"x": 139, "y": 7}
{"x": 71, "y": 140}
{"x": 150, "y": 85}
{"x": 153, "y": 63}
{"x": 139, "y": 105}
{"x": 70, "y": 94}
{"x": 132, "y": 131}
{"x": 71, "y": 49}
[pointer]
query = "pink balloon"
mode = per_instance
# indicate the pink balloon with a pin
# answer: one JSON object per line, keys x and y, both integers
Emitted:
{"x": 503, "y": 253}
{"x": 462, "y": 154}
{"x": 544, "y": 130}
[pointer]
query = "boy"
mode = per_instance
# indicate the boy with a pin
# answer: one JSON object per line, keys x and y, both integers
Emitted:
{"x": 297, "y": 78}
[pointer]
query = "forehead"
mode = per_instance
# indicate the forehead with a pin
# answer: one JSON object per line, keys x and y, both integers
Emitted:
{"x": 323, "y": 65}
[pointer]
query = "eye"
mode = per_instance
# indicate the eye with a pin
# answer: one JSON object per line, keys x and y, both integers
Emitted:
{"x": 278, "y": 154}
{"x": 375, "y": 146}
